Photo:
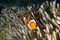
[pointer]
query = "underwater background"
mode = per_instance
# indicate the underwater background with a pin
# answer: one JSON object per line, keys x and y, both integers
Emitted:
{"x": 22, "y": 2}
{"x": 29, "y": 19}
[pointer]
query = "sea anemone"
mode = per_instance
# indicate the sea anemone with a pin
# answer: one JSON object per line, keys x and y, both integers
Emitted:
{"x": 35, "y": 22}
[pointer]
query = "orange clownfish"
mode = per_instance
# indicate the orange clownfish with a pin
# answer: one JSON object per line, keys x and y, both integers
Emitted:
{"x": 30, "y": 21}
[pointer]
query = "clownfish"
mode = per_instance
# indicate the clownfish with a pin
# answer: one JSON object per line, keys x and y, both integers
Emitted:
{"x": 29, "y": 20}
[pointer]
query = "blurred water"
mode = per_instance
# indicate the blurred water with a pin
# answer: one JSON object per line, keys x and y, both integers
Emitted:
{"x": 21, "y": 2}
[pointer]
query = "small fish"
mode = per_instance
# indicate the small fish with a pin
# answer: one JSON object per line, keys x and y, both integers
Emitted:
{"x": 29, "y": 21}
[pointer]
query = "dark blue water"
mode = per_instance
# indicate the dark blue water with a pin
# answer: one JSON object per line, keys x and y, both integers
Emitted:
{"x": 22, "y": 2}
